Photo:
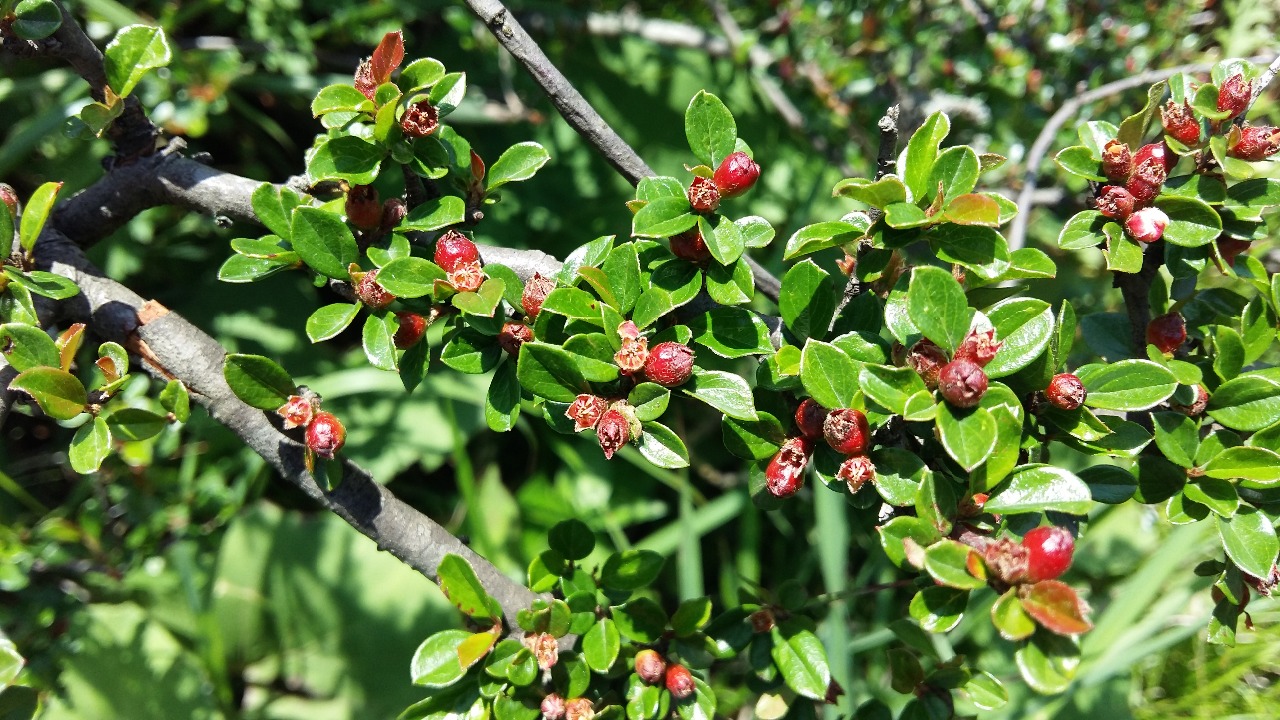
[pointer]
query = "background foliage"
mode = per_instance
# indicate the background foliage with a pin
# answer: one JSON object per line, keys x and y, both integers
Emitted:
{"x": 183, "y": 582}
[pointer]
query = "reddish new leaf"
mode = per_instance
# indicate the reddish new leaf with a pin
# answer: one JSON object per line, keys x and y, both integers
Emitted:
{"x": 387, "y": 57}
{"x": 1056, "y": 607}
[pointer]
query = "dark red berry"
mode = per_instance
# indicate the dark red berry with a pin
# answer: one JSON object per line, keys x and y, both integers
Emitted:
{"x": 809, "y": 418}
{"x": 585, "y": 411}
{"x": 613, "y": 431}
{"x": 785, "y": 472}
{"x": 512, "y": 336}
{"x": 1255, "y": 143}
{"x": 553, "y": 707}
{"x": 979, "y": 346}
{"x": 412, "y": 327}
{"x": 680, "y": 681}
{"x": 1150, "y": 167}
{"x": 1234, "y": 95}
{"x": 856, "y": 471}
{"x": 650, "y": 666}
{"x": 1049, "y": 552}
{"x": 1142, "y": 192}
{"x": 393, "y": 211}
{"x": 927, "y": 360}
{"x": 364, "y": 209}
{"x": 1117, "y": 161}
{"x": 325, "y": 435}
{"x": 846, "y": 431}
{"x": 1146, "y": 225}
{"x": 1065, "y": 391}
{"x": 962, "y": 383}
{"x": 419, "y": 120}
{"x": 1180, "y": 123}
{"x": 369, "y": 292}
{"x": 670, "y": 364}
{"x": 690, "y": 246}
{"x": 736, "y": 174}
{"x": 1115, "y": 202}
{"x": 703, "y": 195}
{"x": 453, "y": 249}
{"x": 1199, "y": 401}
{"x": 1167, "y": 332}
{"x": 296, "y": 412}
{"x": 9, "y": 197}
{"x": 535, "y": 291}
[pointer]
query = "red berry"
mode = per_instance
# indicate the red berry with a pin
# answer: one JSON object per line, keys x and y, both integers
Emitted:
{"x": 1115, "y": 202}
{"x": 927, "y": 360}
{"x": 979, "y": 346}
{"x": 586, "y": 411}
{"x": 680, "y": 681}
{"x": 419, "y": 120}
{"x": 690, "y": 246}
{"x": 809, "y": 418}
{"x": 1167, "y": 332}
{"x": 325, "y": 435}
{"x": 553, "y": 707}
{"x": 1230, "y": 248}
{"x": 785, "y": 473}
{"x": 1255, "y": 143}
{"x": 613, "y": 431}
{"x": 703, "y": 195}
{"x": 297, "y": 412}
{"x": 1181, "y": 123}
{"x": 962, "y": 383}
{"x": 1146, "y": 225}
{"x": 1065, "y": 391}
{"x": 1151, "y": 164}
{"x": 536, "y": 291}
{"x": 1117, "y": 161}
{"x": 412, "y": 327}
{"x": 364, "y": 209}
{"x": 650, "y": 666}
{"x": 454, "y": 249}
{"x": 736, "y": 174}
{"x": 1049, "y": 552}
{"x": 369, "y": 292}
{"x": 856, "y": 471}
{"x": 1142, "y": 192}
{"x": 846, "y": 431}
{"x": 512, "y": 336}
{"x": 670, "y": 364}
{"x": 1234, "y": 95}
{"x": 393, "y": 211}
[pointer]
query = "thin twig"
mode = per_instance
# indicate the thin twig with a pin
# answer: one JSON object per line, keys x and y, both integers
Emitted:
{"x": 1260, "y": 86}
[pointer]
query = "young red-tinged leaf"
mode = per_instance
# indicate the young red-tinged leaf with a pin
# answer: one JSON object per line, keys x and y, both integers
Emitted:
{"x": 58, "y": 393}
{"x": 1056, "y": 606}
{"x": 68, "y": 343}
{"x": 387, "y": 56}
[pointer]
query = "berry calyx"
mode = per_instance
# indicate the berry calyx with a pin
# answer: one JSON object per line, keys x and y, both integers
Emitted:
{"x": 1117, "y": 161}
{"x": 856, "y": 471}
{"x": 553, "y": 707}
{"x": 1194, "y": 408}
{"x": 393, "y": 211}
{"x": 634, "y": 353}
{"x": 579, "y": 709}
{"x": 1049, "y": 551}
{"x": 1180, "y": 123}
{"x": 1115, "y": 202}
{"x": 785, "y": 472}
{"x": 535, "y": 292}
{"x": 325, "y": 435}
{"x": 1167, "y": 332}
{"x": 544, "y": 648}
{"x": 1234, "y": 95}
{"x": 1146, "y": 225}
{"x": 467, "y": 277}
{"x": 670, "y": 364}
{"x": 703, "y": 195}
{"x": 363, "y": 208}
{"x": 690, "y": 246}
{"x": 1255, "y": 143}
{"x": 962, "y": 383}
{"x": 613, "y": 431}
{"x": 680, "y": 681}
{"x": 512, "y": 336}
{"x": 412, "y": 327}
{"x": 979, "y": 346}
{"x": 296, "y": 412}
{"x": 650, "y": 666}
{"x": 736, "y": 174}
{"x": 585, "y": 411}
{"x": 809, "y": 418}
{"x": 846, "y": 431}
{"x": 1065, "y": 391}
{"x": 369, "y": 292}
{"x": 454, "y": 249}
{"x": 927, "y": 359}
{"x": 419, "y": 120}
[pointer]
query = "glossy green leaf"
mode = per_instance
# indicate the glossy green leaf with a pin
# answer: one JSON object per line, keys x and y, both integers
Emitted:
{"x": 324, "y": 242}
{"x": 1038, "y": 488}
{"x": 801, "y": 659}
{"x": 518, "y": 162}
{"x": 969, "y": 436}
{"x": 26, "y": 346}
{"x": 922, "y": 153}
{"x": 600, "y": 645}
{"x": 663, "y": 217}
{"x": 1127, "y": 385}
{"x": 131, "y": 424}
{"x": 1024, "y": 327}
{"x": 131, "y": 53}
{"x": 1250, "y": 541}
{"x": 938, "y": 306}
{"x": 949, "y": 563}
{"x": 1192, "y": 222}
{"x": 1048, "y": 662}
{"x": 731, "y": 332}
{"x": 35, "y": 213}
{"x": 710, "y": 129}
{"x": 1245, "y": 463}
{"x": 410, "y": 277}
{"x": 36, "y": 19}
{"x": 435, "y": 664}
{"x": 330, "y": 320}
{"x": 1248, "y": 403}
{"x": 828, "y": 374}
{"x": 938, "y": 609}
{"x": 807, "y": 301}
{"x": 822, "y": 236}
{"x": 258, "y": 381}
{"x": 90, "y": 446}
{"x": 724, "y": 391}
{"x": 631, "y": 569}
{"x": 58, "y": 393}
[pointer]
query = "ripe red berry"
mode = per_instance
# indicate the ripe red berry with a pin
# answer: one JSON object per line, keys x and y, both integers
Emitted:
{"x": 1234, "y": 95}
{"x": 536, "y": 291}
{"x": 363, "y": 208}
{"x": 412, "y": 327}
{"x": 1115, "y": 202}
{"x": 1150, "y": 167}
{"x": 1049, "y": 552}
{"x": 962, "y": 383}
{"x": 1117, "y": 161}
{"x": 325, "y": 435}
{"x": 680, "y": 681}
{"x": 690, "y": 246}
{"x": 419, "y": 120}
{"x": 1146, "y": 225}
{"x": 736, "y": 174}
{"x": 1255, "y": 143}
{"x": 1167, "y": 332}
{"x": 846, "y": 431}
{"x": 454, "y": 249}
{"x": 785, "y": 472}
{"x": 1230, "y": 248}
{"x": 927, "y": 360}
{"x": 1181, "y": 123}
{"x": 809, "y": 418}
{"x": 650, "y": 666}
{"x": 585, "y": 411}
{"x": 703, "y": 195}
{"x": 512, "y": 336}
{"x": 296, "y": 412}
{"x": 1142, "y": 192}
{"x": 1065, "y": 391}
{"x": 393, "y": 211}
{"x": 979, "y": 346}
{"x": 553, "y": 707}
{"x": 856, "y": 471}
{"x": 670, "y": 364}
{"x": 613, "y": 431}
{"x": 369, "y": 292}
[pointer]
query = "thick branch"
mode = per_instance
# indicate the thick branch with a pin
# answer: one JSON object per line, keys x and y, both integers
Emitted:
{"x": 1135, "y": 289}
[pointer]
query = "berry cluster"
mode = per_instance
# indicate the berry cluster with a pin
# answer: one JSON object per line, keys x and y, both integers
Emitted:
{"x": 324, "y": 433}
{"x": 961, "y": 379}
{"x": 460, "y": 260}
